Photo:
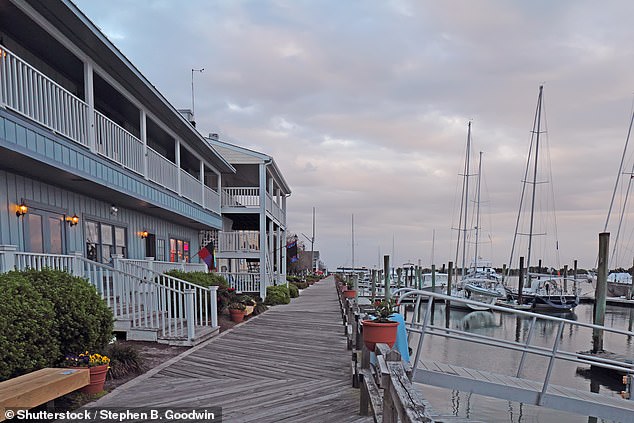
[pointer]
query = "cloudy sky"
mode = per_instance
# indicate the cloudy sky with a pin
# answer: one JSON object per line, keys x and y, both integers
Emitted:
{"x": 365, "y": 104}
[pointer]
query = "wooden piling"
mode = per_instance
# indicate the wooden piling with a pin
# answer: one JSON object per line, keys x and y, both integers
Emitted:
{"x": 601, "y": 291}
{"x": 575, "y": 274}
{"x": 520, "y": 284}
{"x": 565, "y": 280}
{"x": 447, "y": 303}
{"x": 386, "y": 277}
{"x": 399, "y": 274}
{"x": 631, "y": 294}
{"x": 433, "y": 277}
{"x": 419, "y": 277}
{"x": 503, "y": 273}
{"x": 375, "y": 275}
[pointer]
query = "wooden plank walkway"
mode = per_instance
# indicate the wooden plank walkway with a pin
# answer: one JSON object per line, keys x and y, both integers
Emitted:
{"x": 523, "y": 390}
{"x": 289, "y": 364}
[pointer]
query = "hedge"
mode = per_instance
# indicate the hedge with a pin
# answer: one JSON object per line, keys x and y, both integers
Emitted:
{"x": 277, "y": 295}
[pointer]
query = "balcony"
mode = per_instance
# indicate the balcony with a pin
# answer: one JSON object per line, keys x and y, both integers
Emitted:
{"x": 245, "y": 198}
{"x": 239, "y": 242}
{"x": 27, "y": 91}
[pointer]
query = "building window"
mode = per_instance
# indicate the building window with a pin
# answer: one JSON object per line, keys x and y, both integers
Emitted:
{"x": 179, "y": 250}
{"x": 160, "y": 249}
{"x": 103, "y": 240}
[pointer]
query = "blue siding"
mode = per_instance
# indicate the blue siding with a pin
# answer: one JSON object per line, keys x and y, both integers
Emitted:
{"x": 14, "y": 187}
{"x": 31, "y": 140}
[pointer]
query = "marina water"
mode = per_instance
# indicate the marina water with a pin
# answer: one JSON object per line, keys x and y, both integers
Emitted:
{"x": 507, "y": 326}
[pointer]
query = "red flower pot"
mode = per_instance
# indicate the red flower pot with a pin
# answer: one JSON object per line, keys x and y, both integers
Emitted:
{"x": 350, "y": 293}
{"x": 379, "y": 333}
{"x": 97, "y": 379}
{"x": 236, "y": 315}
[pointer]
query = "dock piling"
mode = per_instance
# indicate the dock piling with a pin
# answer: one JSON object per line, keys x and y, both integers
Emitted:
{"x": 601, "y": 291}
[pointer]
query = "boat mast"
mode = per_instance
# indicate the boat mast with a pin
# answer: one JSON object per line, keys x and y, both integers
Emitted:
{"x": 532, "y": 218}
{"x": 464, "y": 201}
{"x": 477, "y": 223}
{"x": 353, "y": 242}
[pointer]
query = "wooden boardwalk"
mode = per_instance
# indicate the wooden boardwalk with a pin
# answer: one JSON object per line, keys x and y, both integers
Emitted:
{"x": 289, "y": 364}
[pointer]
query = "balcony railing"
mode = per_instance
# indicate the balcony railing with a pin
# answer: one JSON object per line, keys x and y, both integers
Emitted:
{"x": 239, "y": 241}
{"x": 191, "y": 187}
{"x": 275, "y": 209}
{"x": 30, "y": 93}
{"x": 240, "y": 197}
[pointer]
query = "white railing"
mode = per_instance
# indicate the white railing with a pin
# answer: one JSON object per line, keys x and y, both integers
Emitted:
{"x": 205, "y": 310}
{"x": 161, "y": 170}
{"x": 275, "y": 209}
{"x": 191, "y": 187}
{"x": 212, "y": 200}
{"x": 117, "y": 144}
{"x": 144, "y": 298}
{"x": 242, "y": 282}
{"x": 38, "y": 261}
{"x": 239, "y": 241}
{"x": 29, "y": 92}
{"x": 240, "y": 197}
{"x": 166, "y": 266}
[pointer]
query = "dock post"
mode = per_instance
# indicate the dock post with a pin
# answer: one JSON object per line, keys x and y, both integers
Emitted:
{"x": 399, "y": 274}
{"x": 433, "y": 277}
{"x": 631, "y": 293}
{"x": 504, "y": 273}
{"x": 419, "y": 277}
{"x": 520, "y": 284}
{"x": 386, "y": 277}
{"x": 447, "y": 303}
{"x": 565, "y": 278}
{"x": 601, "y": 291}
{"x": 575, "y": 274}
{"x": 374, "y": 277}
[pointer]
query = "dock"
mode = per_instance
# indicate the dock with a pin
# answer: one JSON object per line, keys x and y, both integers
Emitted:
{"x": 287, "y": 364}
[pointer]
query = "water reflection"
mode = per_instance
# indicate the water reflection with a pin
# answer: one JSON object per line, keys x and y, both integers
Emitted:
{"x": 512, "y": 327}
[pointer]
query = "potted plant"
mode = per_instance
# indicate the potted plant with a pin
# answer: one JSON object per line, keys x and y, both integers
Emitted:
{"x": 236, "y": 310}
{"x": 249, "y": 304}
{"x": 98, "y": 366}
{"x": 350, "y": 292}
{"x": 379, "y": 328}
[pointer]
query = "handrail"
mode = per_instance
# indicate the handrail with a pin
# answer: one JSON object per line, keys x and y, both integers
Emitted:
{"x": 553, "y": 353}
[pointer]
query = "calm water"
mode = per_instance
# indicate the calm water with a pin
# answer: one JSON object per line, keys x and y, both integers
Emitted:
{"x": 507, "y": 326}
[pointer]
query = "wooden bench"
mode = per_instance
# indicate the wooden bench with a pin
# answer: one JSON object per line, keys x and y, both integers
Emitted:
{"x": 41, "y": 386}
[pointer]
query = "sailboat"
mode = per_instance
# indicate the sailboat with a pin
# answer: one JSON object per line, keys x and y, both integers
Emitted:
{"x": 479, "y": 282}
{"x": 546, "y": 291}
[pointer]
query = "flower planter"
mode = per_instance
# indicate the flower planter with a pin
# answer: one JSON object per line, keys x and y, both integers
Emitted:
{"x": 379, "y": 333}
{"x": 236, "y": 315}
{"x": 350, "y": 293}
{"x": 97, "y": 379}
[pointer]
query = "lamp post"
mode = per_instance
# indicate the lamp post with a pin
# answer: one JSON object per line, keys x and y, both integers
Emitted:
{"x": 313, "y": 265}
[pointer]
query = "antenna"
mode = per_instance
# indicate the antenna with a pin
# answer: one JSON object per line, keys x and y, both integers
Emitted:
{"x": 194, "y": 70}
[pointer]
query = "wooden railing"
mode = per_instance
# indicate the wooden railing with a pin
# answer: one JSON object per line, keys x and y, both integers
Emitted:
{"x": 161, "y": 170}
{"x": 240, "y": 197}
{"x": 235, "y": 241}
{"x": 117, "y": 144}
{"x": 191, "y": 187}
{"x": 242, "y": 281}
{"x": 29, "y": 92}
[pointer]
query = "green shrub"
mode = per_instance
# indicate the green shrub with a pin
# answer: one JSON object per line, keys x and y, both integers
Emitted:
{"x": 300, "y": 284}
{"x": 28, "y": 333}
{"x": 293, "y": 290}
{"x": 83, "y": 320}
{"x": 277, "y": 295}
{"x": 124, "y": 360}
{"x": 224, "y": 294}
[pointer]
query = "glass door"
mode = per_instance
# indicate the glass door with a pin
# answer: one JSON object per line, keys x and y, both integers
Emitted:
{"x": 44, "y": 232}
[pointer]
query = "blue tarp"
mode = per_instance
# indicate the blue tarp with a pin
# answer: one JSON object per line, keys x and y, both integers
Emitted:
{"x": 401, "y": 337}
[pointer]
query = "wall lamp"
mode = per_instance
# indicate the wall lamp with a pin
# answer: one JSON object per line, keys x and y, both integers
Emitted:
{"x": 114, "y": 210}
{"x": 72, "y": 220}
{"x": 143, "y": 234}
{"x": 21, "y": 210}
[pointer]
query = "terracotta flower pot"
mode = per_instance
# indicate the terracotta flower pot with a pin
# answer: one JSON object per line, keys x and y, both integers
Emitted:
{"x": 379, "y": 333}
{"x": 350, "y": 293}
{"x": 236, "y": 315}
{"x": 97, "y": 379}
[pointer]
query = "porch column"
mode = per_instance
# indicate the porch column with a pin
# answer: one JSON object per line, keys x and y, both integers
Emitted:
{"x": 271, "y": 252}
{"x": 284, "y": 210}
{"x": 202, "y": 182}
{"x": 143, "y": 133}
{"x": 283, "y": 251}
{"x": 89, "y": 96}
{"x": 278, "y": 253}
{"x": 263, "y": 250}
{"x": 177, "y": 155}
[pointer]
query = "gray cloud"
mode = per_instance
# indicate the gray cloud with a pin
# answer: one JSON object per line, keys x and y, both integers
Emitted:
{"x": 364, "y": 105}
